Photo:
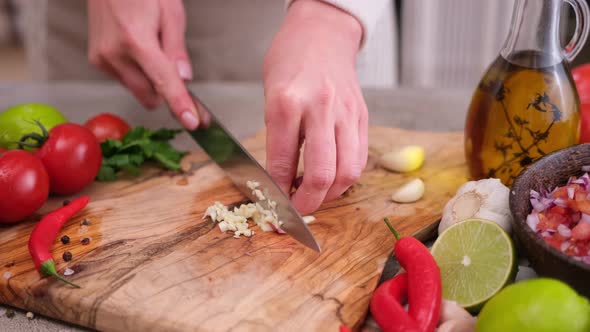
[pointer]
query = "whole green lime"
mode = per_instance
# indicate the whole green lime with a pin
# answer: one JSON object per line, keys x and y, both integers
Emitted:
{"x": 19, "y": 120}
{"x": 535, "y": 305}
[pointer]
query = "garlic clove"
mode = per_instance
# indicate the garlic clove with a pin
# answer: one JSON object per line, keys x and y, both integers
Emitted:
{"x": 450, "y": 310}
{"x": 308, "y": 219}
{"x": 409, "y": 192}
{"x": 406, "y": 159}
{"x": 457, "y": 325}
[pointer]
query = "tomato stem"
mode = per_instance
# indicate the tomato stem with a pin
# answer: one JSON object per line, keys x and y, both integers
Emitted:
{"x": 395, "y": 233}
{"x": 38, "y": 138}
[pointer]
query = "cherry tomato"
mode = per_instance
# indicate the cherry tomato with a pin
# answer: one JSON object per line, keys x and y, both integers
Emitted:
{"x": 581, "y": 76}
{"x": 25, "y": 185}
{"x": 107, "y": 125}
{"x": 72, "y": 157}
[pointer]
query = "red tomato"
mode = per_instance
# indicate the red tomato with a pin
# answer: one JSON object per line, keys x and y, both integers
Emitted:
{"x": 107, "y": 125}
{"x": 25, "y": 185}
{"x": 585, "y": 122}
{"x": 72, "y": 158}
{"x": 581, "y": 76}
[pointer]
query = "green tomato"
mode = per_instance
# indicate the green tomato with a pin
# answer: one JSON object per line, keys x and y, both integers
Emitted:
{"x": 19, "y": 120}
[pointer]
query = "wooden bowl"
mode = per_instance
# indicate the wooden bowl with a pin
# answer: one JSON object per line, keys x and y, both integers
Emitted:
{"x": 548, "y": 172}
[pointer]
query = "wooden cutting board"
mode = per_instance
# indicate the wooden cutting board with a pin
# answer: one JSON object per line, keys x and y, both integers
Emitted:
{"x": 154, "y": 264}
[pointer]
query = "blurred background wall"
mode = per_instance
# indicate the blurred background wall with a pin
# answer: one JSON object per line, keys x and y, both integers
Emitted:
{"x": 439, "y": 43}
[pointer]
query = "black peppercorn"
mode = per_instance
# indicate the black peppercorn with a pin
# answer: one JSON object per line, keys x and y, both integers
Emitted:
{"x": 65, "y": 239}
{"x": 85, "y": 241}
{"x": 9, "y": 313}
{"x": 85, "y": 222}
{"x": 67, "y": 256}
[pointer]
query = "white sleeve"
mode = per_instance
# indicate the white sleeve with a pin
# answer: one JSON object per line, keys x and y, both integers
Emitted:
{"x": 367, "y": 12}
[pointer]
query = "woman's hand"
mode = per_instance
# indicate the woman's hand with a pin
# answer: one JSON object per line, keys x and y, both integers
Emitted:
{"x": 313, "y": 96}
{"x": 141, "y": 43}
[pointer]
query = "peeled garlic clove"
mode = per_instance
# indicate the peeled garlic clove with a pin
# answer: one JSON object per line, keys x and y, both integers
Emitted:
{"x": 407, "y": 159}
{"x": 450, "y": 310}
{"x": 457, "y": 325}
{"x": 409, "y": 192}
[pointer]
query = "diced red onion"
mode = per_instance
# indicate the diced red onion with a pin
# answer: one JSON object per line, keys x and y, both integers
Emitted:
{"x": 560, "y": 202}
{"x": 570, "y": 192}
{"x": 551, "y": 231}
{"x": 564, "y": 231}
{"x": 585, "y": 218}
{"x": 576, "y": 217}
{"x": 533, "y": 220}
{"x": 586, "y": 259}
{"x": 564, "y": 246}
{"x": 538, "y": 206}
{"x": 546, "y": 234}
{"x": 535, "y": 194}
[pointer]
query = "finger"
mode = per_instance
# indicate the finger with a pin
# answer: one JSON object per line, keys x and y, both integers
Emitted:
{"x": 136, "y": 80}
{"x": 167, "y": 82}
{"x": 282, "y": 117}
{"x": 348, "y": 163}
{"x": 319, "y": 163}
{"x": 363, "y": 131}
{"x": 173, "y": 23}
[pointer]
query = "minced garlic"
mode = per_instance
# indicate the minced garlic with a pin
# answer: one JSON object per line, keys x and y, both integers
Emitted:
{"x": 237, "y": 220}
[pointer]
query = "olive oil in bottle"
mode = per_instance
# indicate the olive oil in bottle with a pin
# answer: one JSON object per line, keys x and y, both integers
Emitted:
{"x": 520, "y": 111}
{"x": 526, "y": 105}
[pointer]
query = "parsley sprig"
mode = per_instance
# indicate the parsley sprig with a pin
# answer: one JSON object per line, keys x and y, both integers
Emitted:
{"x": 139, "y": 145}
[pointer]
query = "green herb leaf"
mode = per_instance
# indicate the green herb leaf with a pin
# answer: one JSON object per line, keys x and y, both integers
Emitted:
{"x": 106, "y": 173}
{"x": 165, "y": 134}
{"x": 137, "y": 147}
{"x": 110, "y": 147}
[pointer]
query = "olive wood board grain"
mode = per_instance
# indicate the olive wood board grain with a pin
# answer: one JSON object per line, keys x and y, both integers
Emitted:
{"x": 154, "y": 264}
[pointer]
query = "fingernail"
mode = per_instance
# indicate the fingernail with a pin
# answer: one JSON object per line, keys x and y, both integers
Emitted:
{"x": 189, "y": 120}
{"x": 184, "y": 70}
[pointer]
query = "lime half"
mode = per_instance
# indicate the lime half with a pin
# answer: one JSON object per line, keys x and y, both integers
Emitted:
{"x": 476, "y": 259}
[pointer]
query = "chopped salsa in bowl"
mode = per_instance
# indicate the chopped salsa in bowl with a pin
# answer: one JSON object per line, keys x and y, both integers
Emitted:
{"x": 562, "y": 217}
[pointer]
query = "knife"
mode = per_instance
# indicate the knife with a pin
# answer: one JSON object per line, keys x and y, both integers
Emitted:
{"x": 222, "y": 147}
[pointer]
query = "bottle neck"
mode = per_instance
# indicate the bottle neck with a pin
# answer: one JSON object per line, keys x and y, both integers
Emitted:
{"x": 533, "y": 40}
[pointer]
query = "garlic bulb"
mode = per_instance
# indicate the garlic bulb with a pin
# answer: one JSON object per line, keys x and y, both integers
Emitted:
{"x": 409, "y": 192}
{"x": 406, "y": 159}
{"x": 484, "y": 199}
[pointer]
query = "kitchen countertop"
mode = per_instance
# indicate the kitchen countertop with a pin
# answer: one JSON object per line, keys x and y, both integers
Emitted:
{"x": 240, "y": 106}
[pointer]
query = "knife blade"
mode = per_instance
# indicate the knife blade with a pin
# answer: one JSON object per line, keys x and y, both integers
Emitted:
{"x": 239, "y": 165}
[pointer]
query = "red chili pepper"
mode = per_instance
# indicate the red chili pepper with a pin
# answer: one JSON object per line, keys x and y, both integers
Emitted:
{"x": 386, "y": 305}
{"x": 343, "y": 328}
{"x": 44, "y": 235}
{"x": 424, "y": 283}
